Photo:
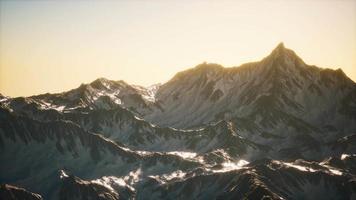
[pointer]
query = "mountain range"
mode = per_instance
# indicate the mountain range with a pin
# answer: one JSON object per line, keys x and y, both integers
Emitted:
{"x": 273, "y": 129}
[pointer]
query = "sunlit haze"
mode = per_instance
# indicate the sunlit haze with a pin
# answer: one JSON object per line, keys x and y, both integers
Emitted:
{"x": 53, "y": 46}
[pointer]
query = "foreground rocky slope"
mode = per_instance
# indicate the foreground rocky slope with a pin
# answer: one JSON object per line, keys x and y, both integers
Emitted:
{"x": 277, "y": 129}
{"x": 262, "y": 179}
{"x": 265, "y": 179}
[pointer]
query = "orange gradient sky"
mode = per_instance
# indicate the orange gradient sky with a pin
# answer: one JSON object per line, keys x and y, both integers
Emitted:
{"x": 53, "y": 46}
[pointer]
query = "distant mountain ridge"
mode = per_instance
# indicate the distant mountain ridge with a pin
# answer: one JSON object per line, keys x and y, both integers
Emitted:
{"x": 281, "y": 78}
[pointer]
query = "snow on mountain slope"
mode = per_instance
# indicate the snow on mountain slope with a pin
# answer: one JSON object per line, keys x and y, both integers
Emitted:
{"x": 263, "y": 179}
{"x": 43, "y": 148}
{"x": 2, "y": 98}
{"x": 205, "y": 134}
{"x": 122, "y": 126}
{"x": 148, "y": 93}
{"x": 101, "y": 93}
{"x": 74, "y": 188}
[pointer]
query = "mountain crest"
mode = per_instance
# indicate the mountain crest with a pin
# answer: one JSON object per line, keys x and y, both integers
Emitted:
{"x": 207, "y": 66}
{"x": 280, "y": 46}
{"x": 280, "y": 51}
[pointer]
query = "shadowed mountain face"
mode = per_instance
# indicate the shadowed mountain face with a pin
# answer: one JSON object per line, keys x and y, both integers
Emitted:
{"x": 277, "y": 129}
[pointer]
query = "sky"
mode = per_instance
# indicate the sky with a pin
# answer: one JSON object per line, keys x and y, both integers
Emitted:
{"x": 53, "y": 46}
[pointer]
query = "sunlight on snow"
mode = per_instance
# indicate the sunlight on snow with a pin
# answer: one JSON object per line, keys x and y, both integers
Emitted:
{"x": 167, "y": 177}
{"x": 183, "y": 154}
{"x": 127, "y": 181}
{"x": 299, "y": 167}
{"x": 229, "y": 166}
{"x": 63, "y": 174}
{"x": 344, "y": 156}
